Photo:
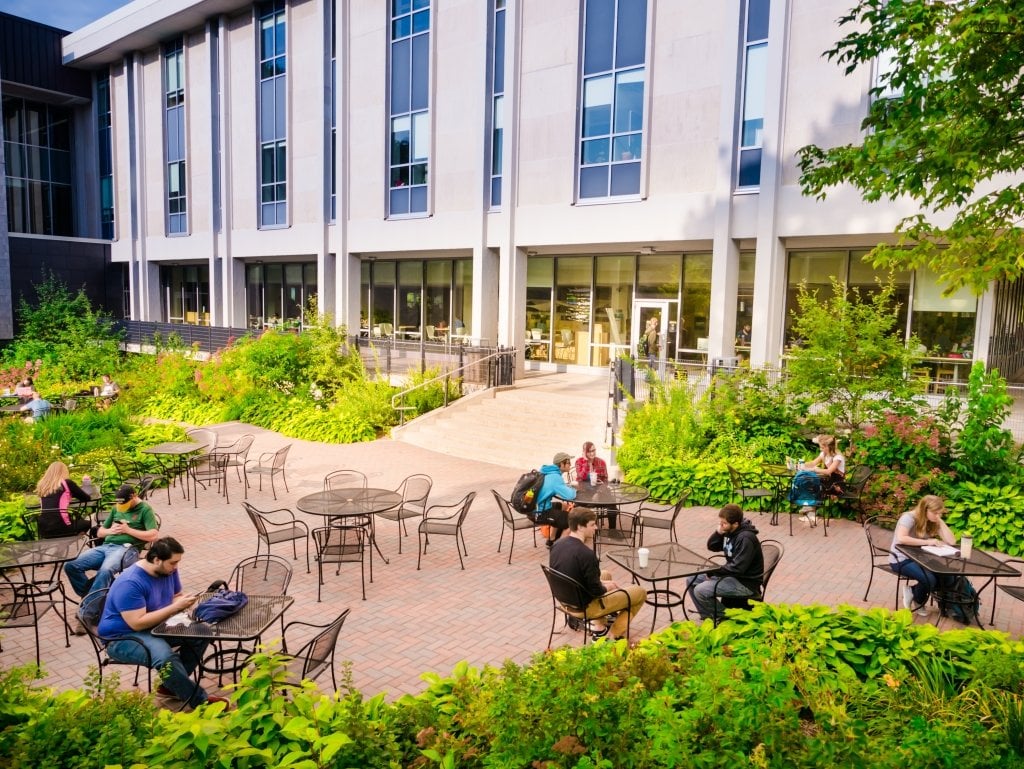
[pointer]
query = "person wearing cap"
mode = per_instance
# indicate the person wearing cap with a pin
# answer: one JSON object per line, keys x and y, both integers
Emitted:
{"x": 555, "y": 498}
{"x": 127, "y": 529}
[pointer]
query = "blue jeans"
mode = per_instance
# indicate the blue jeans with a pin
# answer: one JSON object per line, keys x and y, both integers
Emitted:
{"x": 175, "y": 668}
{"x": 106, "y": 560}
{"x": 702, "y": 590}
{"x": 926, "y": 580}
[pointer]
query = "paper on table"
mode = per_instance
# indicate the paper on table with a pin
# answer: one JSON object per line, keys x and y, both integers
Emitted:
{"x": 940, "y": 549}
{"x": 181, "y": 618}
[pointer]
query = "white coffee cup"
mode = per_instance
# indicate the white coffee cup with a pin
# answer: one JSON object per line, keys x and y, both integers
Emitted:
{"x": 642, "y": 556}
{"x": 593, "y": 479}
{"x": 966, "y": 547}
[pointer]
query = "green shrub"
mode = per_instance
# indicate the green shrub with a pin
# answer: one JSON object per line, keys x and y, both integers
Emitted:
{"x": 993, "y": 515}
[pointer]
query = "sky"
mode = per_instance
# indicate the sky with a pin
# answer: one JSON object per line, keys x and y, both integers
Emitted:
{"x": 63, "y": 14}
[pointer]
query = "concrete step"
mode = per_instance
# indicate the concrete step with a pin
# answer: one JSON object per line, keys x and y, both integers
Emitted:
{"x": 521, "y": 427}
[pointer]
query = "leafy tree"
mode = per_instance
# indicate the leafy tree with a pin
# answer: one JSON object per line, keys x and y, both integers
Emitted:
{"x": 944, "y": 127}
{"x": 63, "y": 331}
{"x": 851, "y": 357}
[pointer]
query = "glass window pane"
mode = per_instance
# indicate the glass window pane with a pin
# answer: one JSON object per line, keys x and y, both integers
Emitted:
{"x": 420, "y": 72}
{"x": 280, "y": 107}
{"x": 399, "y": 7}
{"x": 658, "y": 277}
{"x": 400, "y": 176}
{"x": 400, "y": 140}
{"x": 420, "y": 136}
{"x": 398, "y": 202}
{"x": 400, "y": 76}
{"x": 400, "y": 27}
{"x": 417, "y": 4}
{"x": 266, "y": 37}
{"x": 625, "y": 179}
{"x": 598, "y": 35}
{"x": 419, "y": 173}
{"x": 597, "y": 106}
{"x": 631, "y": 33}
{"x": 595, "y": 151}
{"x": 282, "y": 162}
{"x": 418, "y": 199}
{"x": 496, "y": 191}
{"x": 499, "y": 53}
{"x": 421, "y": 21}
{"x": 757, "y": 19}
{"x": 280, "y": 39}
{"x": 594, "y": 182}
{"x": 754, "y": 88}
{"x": 267, "y": 110}
{"x": 627, "y": 147}
{"x": 629, "y": 101}
{"x": 750, "y": 168}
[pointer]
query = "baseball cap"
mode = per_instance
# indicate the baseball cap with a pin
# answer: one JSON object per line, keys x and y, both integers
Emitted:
{"x": 560, "y": 457}
{"x": 125, "y": 493}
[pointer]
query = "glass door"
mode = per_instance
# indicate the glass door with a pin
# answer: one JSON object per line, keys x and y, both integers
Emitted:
{"x": 650, "y": 336}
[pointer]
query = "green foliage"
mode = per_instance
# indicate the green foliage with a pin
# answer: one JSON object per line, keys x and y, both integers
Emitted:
{"x": 100, "y": 726}
{"x": 776, "y": 686}
{"x": 851, "y": 357}
{"x": 984, "y": 450}
{"x": 943, "y": 123}
{"x": 23, "y": 457}
{"x": 73, "y": 341}
{"x": 431, "y": 396}
{"x": 991, "y": 514}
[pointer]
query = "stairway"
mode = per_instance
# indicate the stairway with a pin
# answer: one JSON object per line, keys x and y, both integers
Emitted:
{"x": 520, "y": 427}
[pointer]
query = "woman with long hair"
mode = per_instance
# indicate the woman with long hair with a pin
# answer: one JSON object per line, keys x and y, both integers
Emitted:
{"x": 830, "y": 466}
{"x": 55, "y": 490}
{"x": 589, "y": 462}
{"x": 921, "y": 526}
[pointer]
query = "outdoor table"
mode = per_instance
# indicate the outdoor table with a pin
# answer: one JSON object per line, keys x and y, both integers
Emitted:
{"x": 780, "y": 477}
{"x": 39, "y": 552}
{"x": 607, "y": 498}
{"x": 11, "y": 410}
{"x": 355, "y": 502}
{"x": 980, "y": 564}
{"x": 172, "y": 456}
{"x": 667, "y": 561}
{"x": 248, "y": 624}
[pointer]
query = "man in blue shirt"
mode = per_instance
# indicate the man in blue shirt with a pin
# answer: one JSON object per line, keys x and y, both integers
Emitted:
{"x": 143, "y": 596}
{"x": 550, "y": 511}
{"x": 38, "y": 408}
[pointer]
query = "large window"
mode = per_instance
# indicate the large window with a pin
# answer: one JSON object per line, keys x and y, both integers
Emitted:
{"x": 278, "y": 294}
{"x": 612, "y": 93}
{"x": 413, "y": 299}
{"x": 497, "y": 98}
{"x": 106, "y": 165}
{"x": 174, "y": 138}
{"x": 273, "y": 111}
{"x": 755, "y": 51}
{"x": 37, "y": 148}
{"x": 409, "y": 107}
{"x": 185, "y": 292}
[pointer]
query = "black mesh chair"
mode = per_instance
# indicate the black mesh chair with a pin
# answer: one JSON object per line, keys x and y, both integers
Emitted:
{"x": 773, "y": 552}
{"x": 90, "y": 611}
{"x": 749, "y": 487}
{"x": 344, "y": 479}
{"x": 273, "y": 526}
{"x": 316, "y": 655}
{"x": 879, "y": 533}
{"x": 514, "y": 522}
{"x": 270, "y": 463}
{"x": 445, "y": 520}
{"x": 208, "y": 469}
{"x": 570, "y": 599}
{"x": 415, "y": 491}
{"x": 132, "y": 473}
{"x": 623, "y": 534}
{"x": 658, "y": 517}
{"x": 26, "y": 595}
{"x": 853, "y": 496}
{"x": 338, "y": 545}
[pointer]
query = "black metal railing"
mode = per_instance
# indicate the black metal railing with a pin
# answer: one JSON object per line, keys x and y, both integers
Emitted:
{"x": 208, "y": 339}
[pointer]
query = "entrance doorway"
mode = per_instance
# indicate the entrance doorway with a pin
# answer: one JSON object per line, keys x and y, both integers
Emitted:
{"x": 662, "y": 313}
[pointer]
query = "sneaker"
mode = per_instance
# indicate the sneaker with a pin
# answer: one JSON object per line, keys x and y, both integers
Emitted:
{"x": 78, "y": 628}
{"x": 548, "y": 543}
{"x": 908, "y": 598}
{"x": 598, "y": 633}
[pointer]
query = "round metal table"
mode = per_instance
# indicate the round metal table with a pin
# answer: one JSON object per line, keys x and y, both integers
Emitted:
{"x": 348, "y": 503}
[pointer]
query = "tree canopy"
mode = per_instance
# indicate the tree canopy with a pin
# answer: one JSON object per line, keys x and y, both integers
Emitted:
{"x": 945, "y": 127}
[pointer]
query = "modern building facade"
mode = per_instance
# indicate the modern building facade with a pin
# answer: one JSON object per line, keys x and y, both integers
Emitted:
{"x": 548, "y": 174}
{"x": 52, "y": 167}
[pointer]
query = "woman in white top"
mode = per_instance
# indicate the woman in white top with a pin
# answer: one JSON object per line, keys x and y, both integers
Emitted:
{"x": 921, "y": 526}
{"x": 830, "y": 466}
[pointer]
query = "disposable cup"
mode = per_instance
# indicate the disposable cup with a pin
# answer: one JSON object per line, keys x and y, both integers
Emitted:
{"x": 966, "y": 547}
{"x": 643, "y": 555}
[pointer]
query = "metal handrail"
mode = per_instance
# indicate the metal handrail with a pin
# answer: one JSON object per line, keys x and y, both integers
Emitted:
{"x": 508, "y": 353}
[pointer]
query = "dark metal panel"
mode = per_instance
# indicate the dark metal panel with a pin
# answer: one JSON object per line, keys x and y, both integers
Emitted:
{"x": 30, "y": 54}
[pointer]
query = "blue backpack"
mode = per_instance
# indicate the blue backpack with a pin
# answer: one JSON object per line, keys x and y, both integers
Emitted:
{"x": 805, "y": 489}
{"x": 221, "y": 605}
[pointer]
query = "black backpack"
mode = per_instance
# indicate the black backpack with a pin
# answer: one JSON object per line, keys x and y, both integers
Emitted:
{"x": 527, "y": 488}
{"x": 960, "y": 601}
{"x": 805, "y": 489}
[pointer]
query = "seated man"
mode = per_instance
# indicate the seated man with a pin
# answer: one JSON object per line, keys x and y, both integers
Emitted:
{"x": 744, "y": 564}
{"x": 146, "y": 594}
{"x": 128, "y": 527}
{"x": 37, "y": 407}
{"x": 549, "y": 511}
{"x": 574, "y": 557}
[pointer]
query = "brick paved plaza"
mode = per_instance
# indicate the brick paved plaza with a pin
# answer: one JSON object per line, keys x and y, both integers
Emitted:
{"x": 416, "y": 621}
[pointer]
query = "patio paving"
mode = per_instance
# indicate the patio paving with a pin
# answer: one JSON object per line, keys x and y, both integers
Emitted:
{"x": 418, "y": 621}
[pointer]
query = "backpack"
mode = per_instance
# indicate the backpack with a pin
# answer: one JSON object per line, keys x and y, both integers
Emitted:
{"x": 805, "y": 489}
{"x": 960, "y": 601}
{"x": 221, "y": 605}
{"x": 527, "y": 489}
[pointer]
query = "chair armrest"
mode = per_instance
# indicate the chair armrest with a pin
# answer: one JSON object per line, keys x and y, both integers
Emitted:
{"x": 284, "y": 633}
{"x": 291, "y": 518}
{"x": 454, "y": 511}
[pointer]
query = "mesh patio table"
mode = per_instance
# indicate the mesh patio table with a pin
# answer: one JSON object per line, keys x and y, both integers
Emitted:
{"x": 980, "y": 564}
{"x": 606, "y": 498}
{"x": 667, "y": 561}
{"x": 355, "y": 502}
{"x": 40, "y": 552}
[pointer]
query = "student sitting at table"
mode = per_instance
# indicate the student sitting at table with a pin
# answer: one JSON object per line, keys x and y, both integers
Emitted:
{"x": 921, "y": 526}
{"x": 55, "y": 490}
{"x": 145, "y": 595}
{"x": 24, "y": 390}
{"x": 830, "y": 467}
{"x": 554, "y": 500}
{"x": 37, "y": 407}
